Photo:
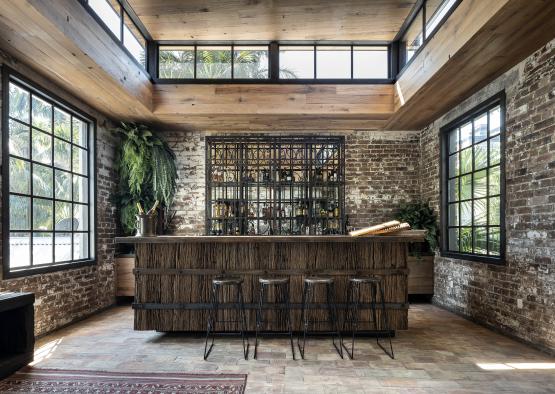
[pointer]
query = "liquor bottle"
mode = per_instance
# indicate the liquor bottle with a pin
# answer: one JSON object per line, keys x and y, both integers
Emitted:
{"x": 348, "y": 226}
{"x": 330, "y": 212}
{"x": 336, "y": 211}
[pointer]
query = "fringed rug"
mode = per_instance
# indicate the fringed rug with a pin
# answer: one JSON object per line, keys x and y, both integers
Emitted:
{"x": 36, "y": 380}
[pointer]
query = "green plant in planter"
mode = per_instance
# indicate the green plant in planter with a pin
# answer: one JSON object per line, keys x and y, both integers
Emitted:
{"x": 420, "y": 215}
{"x": 147, "y": 172}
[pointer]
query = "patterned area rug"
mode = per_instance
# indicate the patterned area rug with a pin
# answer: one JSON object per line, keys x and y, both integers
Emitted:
{"x": 36, "y": 380}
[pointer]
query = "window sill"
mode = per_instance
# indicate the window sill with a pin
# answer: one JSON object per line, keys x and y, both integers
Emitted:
{"x": 499, "y": 260}
{"x": 47, "y": 269}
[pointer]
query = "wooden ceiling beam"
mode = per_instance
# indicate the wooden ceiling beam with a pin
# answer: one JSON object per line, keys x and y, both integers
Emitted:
{"x": 62, "y": 42}
{"x": 480, "y": 41}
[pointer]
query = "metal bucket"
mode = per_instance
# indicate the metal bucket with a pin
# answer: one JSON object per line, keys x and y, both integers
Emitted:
{"x": 145, "y": 225}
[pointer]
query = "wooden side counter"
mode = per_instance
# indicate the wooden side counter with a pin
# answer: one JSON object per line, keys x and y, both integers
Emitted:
{"x": 173, "y": 273}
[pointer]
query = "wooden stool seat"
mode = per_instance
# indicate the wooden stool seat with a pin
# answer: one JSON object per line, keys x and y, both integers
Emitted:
{"x": 365, "y": 279}
{"x": 273, "y": 281}
{"x": 318, "y": 279}
{"x": 227, "y": 280}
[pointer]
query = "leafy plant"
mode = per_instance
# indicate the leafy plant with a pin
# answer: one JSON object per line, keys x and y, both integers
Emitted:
{"x": 147, "y": 172}
{"x": 420, "y": 215}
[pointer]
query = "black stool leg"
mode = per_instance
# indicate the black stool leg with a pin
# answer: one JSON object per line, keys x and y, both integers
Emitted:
{"x": 332, "y": 313}
{"x": 353, "y": 304}
{"x": 243, "y": 319}
{"x": 212, "y": 318}
{"x": 288, "y": 317}
{"x": 385, "y": 324}
{"x": 304, "y": 318}
{"x": 259, "y": 318}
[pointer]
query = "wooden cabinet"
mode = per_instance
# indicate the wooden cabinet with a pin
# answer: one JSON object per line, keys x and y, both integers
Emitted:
{"x": 421, "y": 274}
{"x": 125, "y": 280}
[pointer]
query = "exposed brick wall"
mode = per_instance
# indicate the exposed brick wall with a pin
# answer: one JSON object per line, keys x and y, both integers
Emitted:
{"x": 68, "y": 295}
{"x": 381, "y": 172}
{"x": 519, "y": 297}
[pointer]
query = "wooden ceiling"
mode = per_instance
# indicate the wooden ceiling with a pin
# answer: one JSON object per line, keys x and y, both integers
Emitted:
{"x": 348, "y": 20}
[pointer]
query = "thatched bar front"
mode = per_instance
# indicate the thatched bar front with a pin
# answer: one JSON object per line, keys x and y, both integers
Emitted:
{"x": 173, "y": 273}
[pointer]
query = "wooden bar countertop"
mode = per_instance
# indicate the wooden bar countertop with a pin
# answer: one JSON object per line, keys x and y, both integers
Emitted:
{"x": 401, "y": 236}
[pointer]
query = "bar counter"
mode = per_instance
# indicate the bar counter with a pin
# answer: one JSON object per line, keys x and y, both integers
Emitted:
{"x": 173, "y": 273}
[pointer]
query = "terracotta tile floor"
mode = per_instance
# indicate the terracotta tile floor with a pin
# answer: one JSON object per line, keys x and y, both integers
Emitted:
{"x": 440, "y": 353}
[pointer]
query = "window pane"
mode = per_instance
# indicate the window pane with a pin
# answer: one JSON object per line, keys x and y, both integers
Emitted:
{"x": 42, "y": 248}
{"x": 20, "y": 176}
{"x": 466, "y": 161}
{"x": 42, "y": 214}
{"x": 494, "y": 244}
{"x": 62, "y": 251}
{"x": 453, "y": 214}
{"x": 80, "y": 136}
{"x": 436, "y": 10}
{"x": 453, "y": 189}
{"x": 370, "y": 62}
{"x": 79, "y": 158}
{"x": 333, "y": 62}
{"x": 454, "y": 239}
{"x": 480, "y": 128}
{"x": 480, "y": 184}
{"x": 109, "y": 12}
{"x": 133, "y": 40}
{"x": 19, "y": 139}
{"x": 42, "y": 181}
{"x": 20, "y": 250}
{"x": 80, "y": 246}
{"x": 64, "y": 218}
{"x": 494, "y": 180}
{"x": 412, "y": 40}
{"x": 453, "y": 165}
{"x": 250, "y": 62}
{"x": 466, "y": 187}
{"x": 466, "y": 135}
{"x": 80, "y": 217}
{"x": 42, "y": 114}
{"x": 62, "y": 187}
{"x": 42, "y": 147}
{"x": 494, "y": 210}
{"x": 481, "y": 155}
{"x": 62, "y": 154}
{"x": 19, "y": 103}
{"x": 80, "y": 189}
{"x": 480, "y": 212}
{"x": 480, "y": 240}
{"x": 296, "y": 62}
{"x": 454, "y": 140}
{"x": 494, "y": 121}
{"x": 494, "y": 150}
{"x": 62, "y": 124}
{"x": 20, "y": 213}
{"x": 466, "y": 213}
{"x": 466, "y": 239}
{"x": 176, "y": 62}
{"x": 213, "y": 62}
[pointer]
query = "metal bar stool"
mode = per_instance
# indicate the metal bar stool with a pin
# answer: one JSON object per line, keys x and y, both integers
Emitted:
{"x": 352, "y": 318}
{"x": 281, "y": 286}
{"x": 239, "y": 306}
{"x": 308, "y": 303}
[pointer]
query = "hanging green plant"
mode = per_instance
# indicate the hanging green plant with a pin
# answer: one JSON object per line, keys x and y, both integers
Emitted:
{"x": 147, "y": 172}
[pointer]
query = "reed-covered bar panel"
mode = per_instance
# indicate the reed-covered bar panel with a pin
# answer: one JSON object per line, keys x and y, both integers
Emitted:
{"x": 173, "y": 274}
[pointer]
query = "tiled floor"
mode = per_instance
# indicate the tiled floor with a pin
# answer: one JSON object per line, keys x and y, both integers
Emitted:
{"x": 440, "y": 353}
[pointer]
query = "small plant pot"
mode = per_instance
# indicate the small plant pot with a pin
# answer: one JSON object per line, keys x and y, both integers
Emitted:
{"x": 146, "y": 225}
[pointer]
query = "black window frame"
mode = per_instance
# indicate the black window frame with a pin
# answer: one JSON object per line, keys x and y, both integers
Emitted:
{"x": 273, "y": 62}
{"x": 11, "y": 76}
{"x": 497, "y": 100}
{"x": 125, "y": 9}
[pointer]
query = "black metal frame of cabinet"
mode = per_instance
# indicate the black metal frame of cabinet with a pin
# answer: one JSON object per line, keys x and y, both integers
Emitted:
{"x": 275, "y": 185}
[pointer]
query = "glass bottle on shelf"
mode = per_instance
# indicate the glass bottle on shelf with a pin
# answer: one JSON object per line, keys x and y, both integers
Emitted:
{"x": 336, "y": 211}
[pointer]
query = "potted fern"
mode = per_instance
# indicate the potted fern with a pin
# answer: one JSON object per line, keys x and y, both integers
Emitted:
{"x": 147, "y": 174}
{"x": 420, "y": 215}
